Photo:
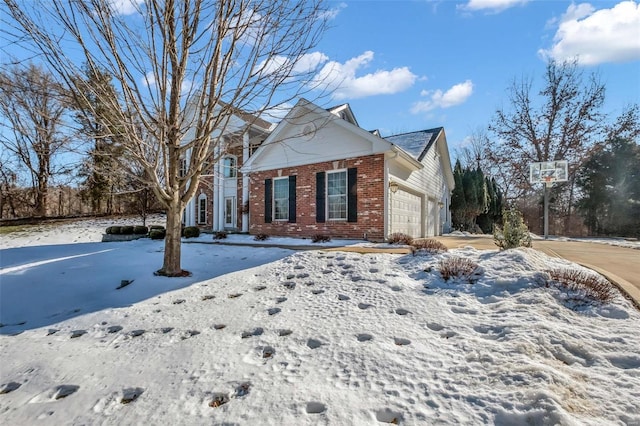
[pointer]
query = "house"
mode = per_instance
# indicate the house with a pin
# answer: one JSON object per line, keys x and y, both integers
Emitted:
{"x": 221, "y": 200}
{"x": 319, "y": 173}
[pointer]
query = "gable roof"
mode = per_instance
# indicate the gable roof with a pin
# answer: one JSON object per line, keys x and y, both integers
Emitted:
{"x": 340, "y": 117}
{"x": 416, "y": 143}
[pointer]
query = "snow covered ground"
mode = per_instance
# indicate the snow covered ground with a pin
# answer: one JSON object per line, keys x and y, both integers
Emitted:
{"x": 271, "y": 336}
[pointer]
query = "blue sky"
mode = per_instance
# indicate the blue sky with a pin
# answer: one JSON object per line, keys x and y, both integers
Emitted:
{"x": 412, "y": 65}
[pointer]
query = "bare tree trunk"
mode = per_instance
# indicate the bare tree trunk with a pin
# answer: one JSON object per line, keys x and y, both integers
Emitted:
{"x": 173, "y": 240}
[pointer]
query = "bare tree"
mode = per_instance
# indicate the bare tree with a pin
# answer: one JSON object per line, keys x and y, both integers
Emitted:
{"x": 563, "y": 122}
{"x": 32, "y": 104}
{"x": 182, "y": 68}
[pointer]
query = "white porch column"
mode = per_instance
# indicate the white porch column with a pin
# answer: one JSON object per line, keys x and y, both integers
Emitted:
{"x": 245, "y": 181}
{"x": 218, "y": 200}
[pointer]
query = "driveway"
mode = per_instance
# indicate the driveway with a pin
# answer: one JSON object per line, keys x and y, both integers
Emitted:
{"x": 621, "y": 265}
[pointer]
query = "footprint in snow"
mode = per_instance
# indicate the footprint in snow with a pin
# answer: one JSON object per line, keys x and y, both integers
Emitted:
{"x": 396, "y": 288}
{"x": 219, "y": 326}
{"x": 234, "y": 295}
{"x": 114, "y": 329}
{"x": 343, "y": 297}
{"x": 255, "y": 332}
{"x": 318, "y": 291}
{"x": 374, "y": 270}
{"x": 52, "y": 331}
{"x": 77, "y": 333}
{"x": 302, "y": 276}
{"x": 281, "y": 299}
{"x": 166, "y": 330}
{"x": 218, "y": 399}
{"x": 290, "y": 276}
{"x": 435, "y": 326}
{"x": 130, "y": 394}
{"x": 260, "y": 288}
{"x": 314, "y": 407}
{"x": 364, "y": 306}
{"x": 9, "y": 387}
{"x": 289, "y": 285}
{"x": 389, "y": 416}
{"x": 284, "y": 332}
{"x": 242, "y": 389}
{"x": 64, "y": 391}
{"x": 273, "y": 311}
{"x": 189, "y": 333}
{"x": 364, "y": 337}
{"x": 266, "y": 352}
{"x": 402, "y": 311}
{"x": 313, "y": 343}
{"x": 207, "y": 297}
{"x": 178, "y": 301}
{"x": 401, "y": 342}
{"x": 298, "y": 267}
{"x": 136, "y": 333}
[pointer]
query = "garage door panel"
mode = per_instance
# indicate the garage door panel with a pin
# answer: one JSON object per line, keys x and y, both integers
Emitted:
{"x": 406, "y": 214}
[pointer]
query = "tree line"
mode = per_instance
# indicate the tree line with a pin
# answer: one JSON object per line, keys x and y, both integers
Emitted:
{"x": 563, "y": 119}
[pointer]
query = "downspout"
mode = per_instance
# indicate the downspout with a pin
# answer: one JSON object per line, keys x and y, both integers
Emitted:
{"x": 245, "y": 182}
{"x": 387, "y": 193}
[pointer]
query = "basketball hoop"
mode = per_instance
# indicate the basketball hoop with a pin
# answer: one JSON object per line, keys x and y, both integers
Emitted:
{"x": 548, "y": 181}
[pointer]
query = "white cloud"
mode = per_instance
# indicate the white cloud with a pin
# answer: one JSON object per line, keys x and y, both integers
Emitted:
{"x": 125, "y": 7}
{"x": 456, "y": 95}
{"x": 305, "y": 64}
{"x": 341, "y": 80}
{"x": 333, "y": 13}
{"x": 149, "y": 80}
{"x": 597, "y": 36}
{"x": 491, "y": 5}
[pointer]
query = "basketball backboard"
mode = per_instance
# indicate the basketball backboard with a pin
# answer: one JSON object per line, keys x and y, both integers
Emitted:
{"x": 549, "y": 171}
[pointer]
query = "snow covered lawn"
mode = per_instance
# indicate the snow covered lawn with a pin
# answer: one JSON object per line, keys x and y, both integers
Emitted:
{"x": 271, "y": 336}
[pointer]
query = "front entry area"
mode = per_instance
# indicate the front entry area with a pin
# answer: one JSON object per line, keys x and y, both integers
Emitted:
{"x": 230, "y": 212}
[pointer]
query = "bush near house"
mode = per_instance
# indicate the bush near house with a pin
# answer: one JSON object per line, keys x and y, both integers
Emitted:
{"x": 220, "y": 235}
{"x": 261, "y": 237}
{"x": 320, "y": 238}
{"x": 191, "y": 232}
{"x": 126, "y": 230}
{"x": 157, "y": 234}
{"x": 591, "y": 285}
{"x": 400, "y": 238}
{"x": 458, "y": 267}
{"x": 140, "y": 230}
{"x": 113, "y": 230}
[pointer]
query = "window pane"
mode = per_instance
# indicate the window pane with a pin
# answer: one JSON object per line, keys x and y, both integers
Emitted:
{"x": 281, "y": 199}
{"x": 337, "y": 195}
{"x": 229, "y": 166}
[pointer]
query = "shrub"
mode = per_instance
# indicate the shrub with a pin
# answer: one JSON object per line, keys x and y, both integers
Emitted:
{"x": 140, "y": 230}
{"x": 400, "y": 238}
{"x": 109, "y": 230}
{"x": 458, "y": 267}
{"x": 320, "y": 238}
{"x": 514, "y": 233}
{"x": 126, "y": 230}
{"x": 591, "y": 285}
{"x": 156, "y": 227}
{"x": 261, "y": 237}
{"x": 191, "y": 232}
{"x": 114, "y": 230}
{"x": 428, "y": 245}
{"x": 220, "y": 235}
{"x": 157, "y": 234}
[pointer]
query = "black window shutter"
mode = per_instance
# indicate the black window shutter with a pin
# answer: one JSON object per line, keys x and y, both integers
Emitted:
{"x": 292, "y": 199}
{"x": 320, "y": 196}
{"x": 268, "y": 198}
{"x": 352, "y": 195}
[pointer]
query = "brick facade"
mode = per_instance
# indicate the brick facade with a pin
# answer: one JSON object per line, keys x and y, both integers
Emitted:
{"x": 370, "y": 201}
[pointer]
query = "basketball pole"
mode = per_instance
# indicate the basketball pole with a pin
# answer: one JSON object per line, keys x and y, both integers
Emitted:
{"x": 546, "y": 210}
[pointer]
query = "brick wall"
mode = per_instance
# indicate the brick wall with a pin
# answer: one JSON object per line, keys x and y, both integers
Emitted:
{"x": 370, "y": 206}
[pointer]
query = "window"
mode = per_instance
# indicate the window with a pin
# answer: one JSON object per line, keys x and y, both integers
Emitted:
{"x": 229, "y": 166}
{"x": 182, "y": 172}
{"x": 202, "y": 208}
{"x": 337, "y": 195}
{"x": 281, "y": 199}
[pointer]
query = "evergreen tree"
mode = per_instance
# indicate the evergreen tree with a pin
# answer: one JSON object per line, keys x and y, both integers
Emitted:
{"x": 610, "y": 182}
{"x": 458, "y": 203}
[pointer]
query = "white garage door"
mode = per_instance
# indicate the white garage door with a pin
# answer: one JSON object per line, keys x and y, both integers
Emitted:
{"x": 406, "y": 214}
